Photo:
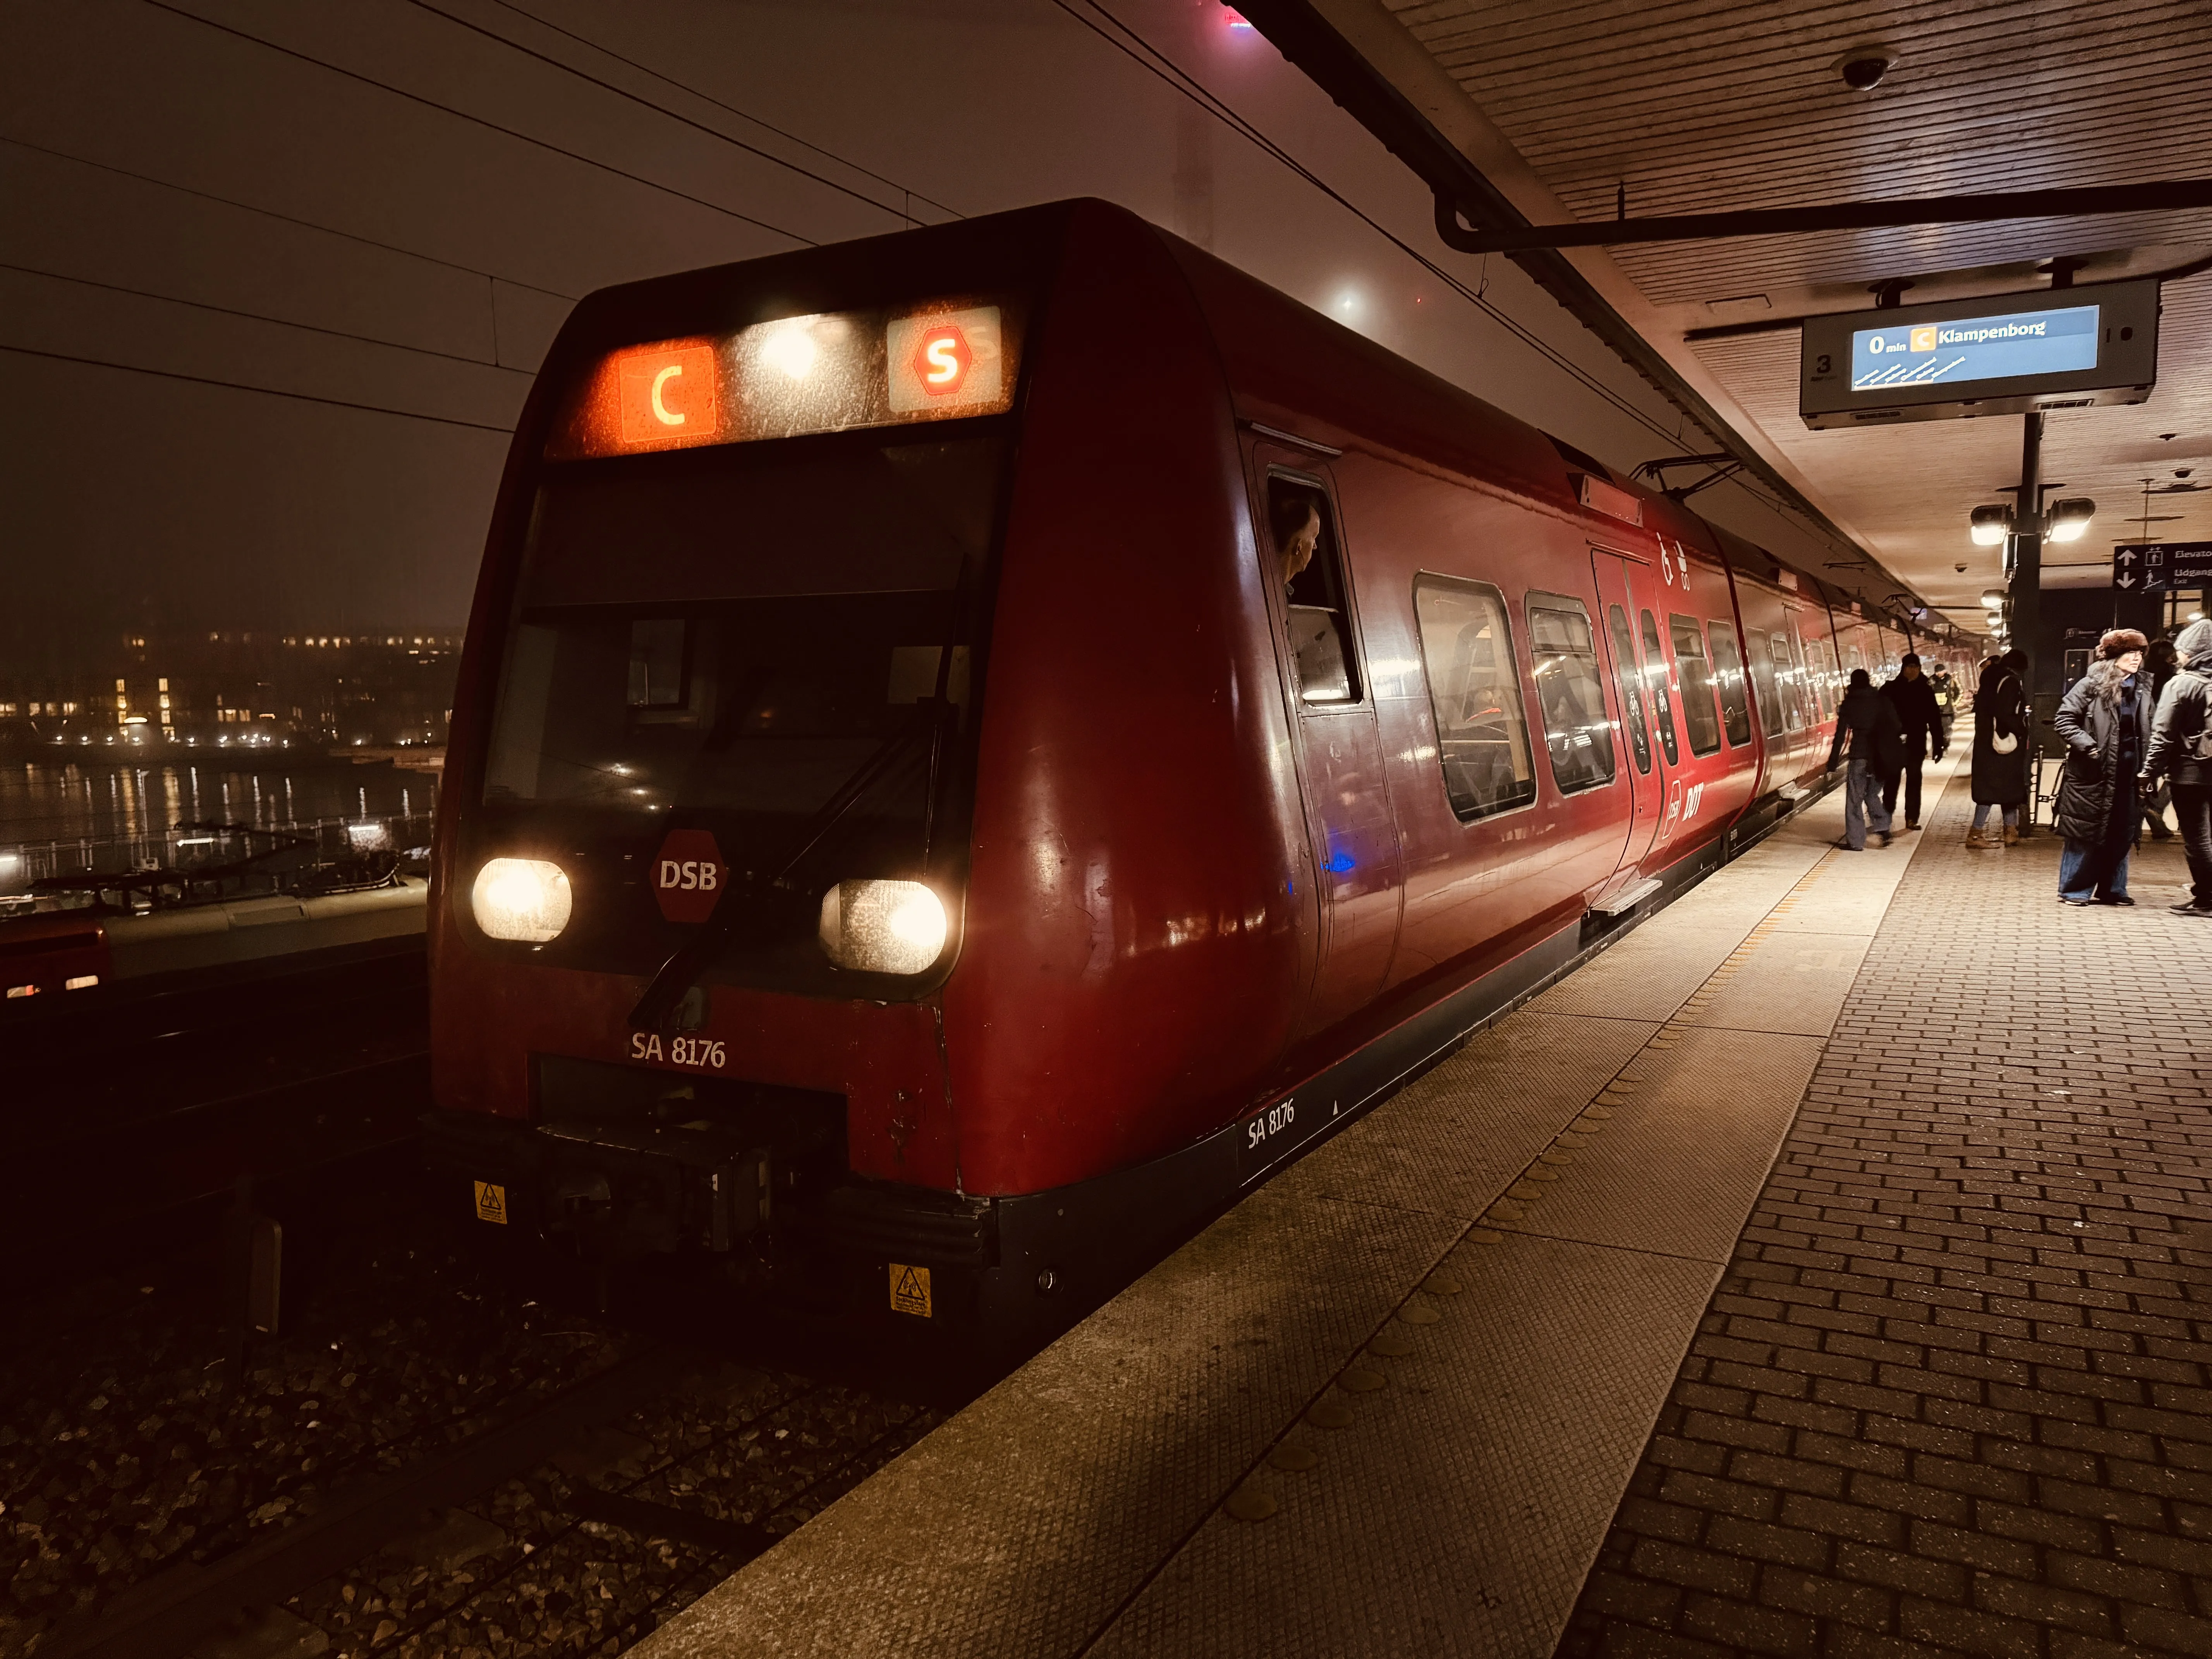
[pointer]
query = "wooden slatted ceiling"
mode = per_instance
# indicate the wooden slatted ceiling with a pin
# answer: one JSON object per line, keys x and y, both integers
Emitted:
{"x": 1703, "y": 107}
{"x": 1698, "y": 105}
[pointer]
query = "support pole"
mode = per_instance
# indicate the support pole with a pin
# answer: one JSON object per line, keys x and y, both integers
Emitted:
{"x": 2024, "y": 595}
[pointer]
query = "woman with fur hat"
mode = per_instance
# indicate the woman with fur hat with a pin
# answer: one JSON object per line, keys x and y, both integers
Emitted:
{"x": 2105, "y": 722}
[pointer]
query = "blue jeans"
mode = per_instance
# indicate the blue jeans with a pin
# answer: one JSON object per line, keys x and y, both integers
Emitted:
{"x": 1982, "y": 808}
{"x": 2098, "y": 869}
{"x": 1861, "y": 802}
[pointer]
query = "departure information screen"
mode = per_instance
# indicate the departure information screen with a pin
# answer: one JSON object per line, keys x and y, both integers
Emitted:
{"x": 1965, "y": 358}
{"x": 2057, "y": 342}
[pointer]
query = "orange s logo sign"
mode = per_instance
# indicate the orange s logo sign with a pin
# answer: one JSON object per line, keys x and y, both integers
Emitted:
{"x": 941, "y": 361}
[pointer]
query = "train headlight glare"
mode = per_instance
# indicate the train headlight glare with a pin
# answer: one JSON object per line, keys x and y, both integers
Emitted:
{"x": 883, "y": 926}
{"x": 521, "y": 898}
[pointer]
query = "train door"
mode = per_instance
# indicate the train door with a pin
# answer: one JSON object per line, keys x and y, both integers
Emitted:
{"x": 1339, "y": 748}
{"x": 1618, "y": 578}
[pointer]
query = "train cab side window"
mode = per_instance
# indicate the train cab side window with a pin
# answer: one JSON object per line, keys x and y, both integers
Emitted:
{"x": 1631, "y": 687}
{"x": 1700, "y": 717}
{"x": 1318, "y": 618}
{"x": 1727, "y": 676}
{"x": 1655, "y": 676}
{"x": 1475, "y": 689}
{"x": 1569, "y": 692}
{"x": 1774, "y": 686}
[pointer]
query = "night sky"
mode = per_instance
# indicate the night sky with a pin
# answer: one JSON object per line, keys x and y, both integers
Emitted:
{"x": 383, "y": 211}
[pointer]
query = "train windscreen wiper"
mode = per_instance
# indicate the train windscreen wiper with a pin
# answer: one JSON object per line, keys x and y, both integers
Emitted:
{"x": 681, "y": 971}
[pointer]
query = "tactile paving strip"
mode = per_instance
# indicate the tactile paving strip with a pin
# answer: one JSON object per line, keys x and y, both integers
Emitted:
{"x": 1114, "y": 1496}
{"x": 1435, "y": 1522}
{"x": 1020, "y": 1526}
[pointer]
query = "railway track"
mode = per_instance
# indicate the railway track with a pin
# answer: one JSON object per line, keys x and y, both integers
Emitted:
{"x": 431, "y": 1451}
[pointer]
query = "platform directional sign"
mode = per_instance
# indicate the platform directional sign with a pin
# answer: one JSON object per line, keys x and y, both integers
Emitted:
{"x": 2162, "y": 567}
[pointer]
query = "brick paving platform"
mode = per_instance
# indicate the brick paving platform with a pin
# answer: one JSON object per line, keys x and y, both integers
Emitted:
{"x": 1955, "y": 1392}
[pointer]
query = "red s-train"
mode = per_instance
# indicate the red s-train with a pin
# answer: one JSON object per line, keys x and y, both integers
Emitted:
{"x": 974, "y": 746}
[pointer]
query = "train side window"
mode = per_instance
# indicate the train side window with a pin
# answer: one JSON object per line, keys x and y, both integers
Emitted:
{"x": 1318, "y": 616}
{"x": 1655, "y": 676}
{"x": 1569, "y": 692}
{"x": 1776, "y": 685}
{"x": 1699, "y": 719}
{"x": 1728, "y": 675}
{"x": 1475, "y": 689}
{"x": 1631, "y": 687}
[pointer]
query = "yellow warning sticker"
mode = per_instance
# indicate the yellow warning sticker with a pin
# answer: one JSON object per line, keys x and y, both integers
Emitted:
{"x": 491, "y": 1202}
{"x": 910, "y": 1290}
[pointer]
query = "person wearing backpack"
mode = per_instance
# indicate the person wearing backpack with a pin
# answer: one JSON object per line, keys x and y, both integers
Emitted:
{"x": 2181, "y": 752}
{"x": 2105, "y": 722}
{"x": 1867, "y": 730}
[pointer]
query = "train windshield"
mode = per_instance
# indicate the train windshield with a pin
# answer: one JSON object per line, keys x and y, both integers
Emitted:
{"x": 724, "y": 639}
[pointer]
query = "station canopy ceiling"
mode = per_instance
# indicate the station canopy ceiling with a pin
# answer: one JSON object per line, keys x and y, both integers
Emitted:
{"x": 1697, "y": 106}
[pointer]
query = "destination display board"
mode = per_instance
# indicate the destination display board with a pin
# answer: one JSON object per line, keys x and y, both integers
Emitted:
{"x": 2162, "y": 567}
{"x": 2055, "y": 349}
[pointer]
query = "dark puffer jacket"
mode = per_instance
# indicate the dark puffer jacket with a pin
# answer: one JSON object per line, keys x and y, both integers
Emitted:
{"x": 2184, "y": 712}
{"x": 1999, "y": 706}
{"x": 1867, "y": 729}
{"x": 2088, "y": 719}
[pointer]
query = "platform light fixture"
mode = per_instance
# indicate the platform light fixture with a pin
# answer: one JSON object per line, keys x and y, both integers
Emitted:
{"x": 2069, "y": 519}
{"x": 1989, "y": 525}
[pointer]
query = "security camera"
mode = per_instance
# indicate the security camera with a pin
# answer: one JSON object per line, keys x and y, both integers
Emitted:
{"x": 1863, "y": 70}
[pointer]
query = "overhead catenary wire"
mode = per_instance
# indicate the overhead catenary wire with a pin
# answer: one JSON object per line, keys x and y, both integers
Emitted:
{"x": 513, "y": 44}
{"x": 263, "y": 390}
{"x": 685, "y": 86}
{"x": 262, "y": 317}
{"x": 515, "y": 133}
{"x": 286, "y": 218}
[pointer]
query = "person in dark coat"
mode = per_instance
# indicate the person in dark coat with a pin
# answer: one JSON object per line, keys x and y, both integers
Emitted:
{"x": 2181, "y": 753}
{"x": 2105, "y": 722}
{"x": 2160, "y": 663}
{"x": 1867, "y": 729}
{"x": 2000, "y": 779}
{"x": 1922, "y": 718}
{"x": 1948, "y": 695}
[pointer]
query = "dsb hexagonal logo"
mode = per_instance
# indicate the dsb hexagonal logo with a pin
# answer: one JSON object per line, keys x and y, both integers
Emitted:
{"x": 688, "y": 875}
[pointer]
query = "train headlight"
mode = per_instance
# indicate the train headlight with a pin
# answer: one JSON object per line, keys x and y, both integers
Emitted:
{"x": 521, "y": 898}
{"x": 883, "y": 926}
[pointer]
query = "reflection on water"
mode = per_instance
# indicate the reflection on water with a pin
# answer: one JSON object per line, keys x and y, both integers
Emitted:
{"x": 43, "y": 800}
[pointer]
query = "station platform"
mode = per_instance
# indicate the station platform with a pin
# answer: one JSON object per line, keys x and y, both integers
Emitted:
{"x": 1816, "y": 1270}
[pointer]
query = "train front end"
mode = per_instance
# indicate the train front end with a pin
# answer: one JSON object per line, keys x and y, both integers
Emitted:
{"x": 867, "y": 856}
{"x": 701, "y": 865}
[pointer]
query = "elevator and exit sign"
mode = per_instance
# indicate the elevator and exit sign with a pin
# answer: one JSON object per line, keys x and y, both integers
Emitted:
{"x": 2161, "y": 566}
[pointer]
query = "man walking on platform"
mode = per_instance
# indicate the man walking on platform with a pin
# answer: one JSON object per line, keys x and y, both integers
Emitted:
{"x": 1920, "y": 718}
{"x": 2181, "y": 752}
{"x": 1866, "y": 728}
